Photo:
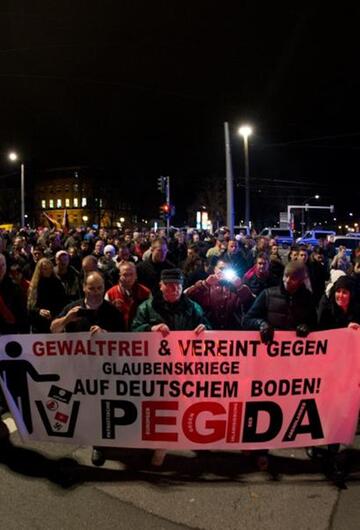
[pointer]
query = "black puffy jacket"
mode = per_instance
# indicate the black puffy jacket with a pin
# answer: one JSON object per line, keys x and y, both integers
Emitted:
{"x": 282, "y": 310}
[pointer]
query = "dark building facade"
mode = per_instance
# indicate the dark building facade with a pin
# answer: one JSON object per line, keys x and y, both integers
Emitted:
{"x": 83, "y": 195}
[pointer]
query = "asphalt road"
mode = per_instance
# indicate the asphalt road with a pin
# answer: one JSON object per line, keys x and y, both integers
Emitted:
{"x": 54, "y": 486}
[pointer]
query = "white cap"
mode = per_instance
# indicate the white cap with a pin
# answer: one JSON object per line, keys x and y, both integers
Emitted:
{"x": 111, "y": 249}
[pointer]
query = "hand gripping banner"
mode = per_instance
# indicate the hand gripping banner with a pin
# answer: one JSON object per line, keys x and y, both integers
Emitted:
{"x": 218, "y": 390}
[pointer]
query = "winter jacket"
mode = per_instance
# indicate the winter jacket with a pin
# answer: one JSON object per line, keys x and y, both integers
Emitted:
{"x": 13, "y": 315}
{"x": 222, "y": 302}
{"x": 331, "y": 316}
{"x": 50, "y": 295}
{"x": 282, "y": 310}
{"x": 318, "y": 275}
{"x": 180, "y": 316}
{"x": 256, "y": 283}
{"x": 126, "y": 301}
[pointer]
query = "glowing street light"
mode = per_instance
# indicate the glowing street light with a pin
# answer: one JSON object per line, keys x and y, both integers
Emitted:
{"x": 245, "y": 131}
{"x": 13, "y": 157}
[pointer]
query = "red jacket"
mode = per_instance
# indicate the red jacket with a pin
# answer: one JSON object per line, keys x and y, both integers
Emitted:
{"x": 127, "y": 301}
{"x": 223, "y": 303}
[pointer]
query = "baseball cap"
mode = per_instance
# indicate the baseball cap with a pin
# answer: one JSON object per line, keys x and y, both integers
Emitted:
{"x": 172, "y": 276}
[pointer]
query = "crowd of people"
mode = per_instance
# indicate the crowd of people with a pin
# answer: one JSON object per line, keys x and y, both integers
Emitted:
{"x": 106, "y": 280}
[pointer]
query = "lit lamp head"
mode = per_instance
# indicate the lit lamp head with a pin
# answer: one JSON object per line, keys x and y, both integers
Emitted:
{"x": 13, "y": 156}
{"x": 245, "y": 131}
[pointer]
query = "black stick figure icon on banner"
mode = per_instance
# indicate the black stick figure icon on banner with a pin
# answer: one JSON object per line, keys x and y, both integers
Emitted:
{"x": 14, "y": 375}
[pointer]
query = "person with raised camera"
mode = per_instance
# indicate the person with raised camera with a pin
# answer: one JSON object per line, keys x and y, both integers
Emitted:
{"x": 223, "y": 296}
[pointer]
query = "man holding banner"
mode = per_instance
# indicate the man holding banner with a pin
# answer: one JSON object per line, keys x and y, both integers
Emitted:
{"x": 169, "y": 310}
{"x": 92, "y": 313}
{"x": 289, "y": 306}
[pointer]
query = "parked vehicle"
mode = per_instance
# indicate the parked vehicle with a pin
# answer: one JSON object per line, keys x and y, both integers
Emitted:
{"x": 353, "y": 234}
{"x": 311, "y": 237}
{"x": 283, "y": 236}
{"x": 349, "y": 242}
{"x": 242, "y": 229}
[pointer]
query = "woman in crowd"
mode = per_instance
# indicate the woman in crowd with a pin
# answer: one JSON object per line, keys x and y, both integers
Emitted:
{"x": 46, "y": 297}
{"x": 340, "y": 308}
{"x": 193, "y": 267}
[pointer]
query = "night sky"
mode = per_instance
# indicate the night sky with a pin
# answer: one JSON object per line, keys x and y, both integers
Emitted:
{"x": 142, "y": 89}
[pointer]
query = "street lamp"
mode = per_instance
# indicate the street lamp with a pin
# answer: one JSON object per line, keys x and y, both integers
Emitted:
{"x": 13, "y": 157}
{"x": 245, "y": 131}
{"x": 302, "y": 212}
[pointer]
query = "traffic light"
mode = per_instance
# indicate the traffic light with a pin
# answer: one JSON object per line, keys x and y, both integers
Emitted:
{"x": 161, "y": 184}
{"x": 165, "y": 211}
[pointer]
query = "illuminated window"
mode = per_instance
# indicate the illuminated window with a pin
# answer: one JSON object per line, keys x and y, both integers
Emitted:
{"x": 43, "y": 204}
{"x": 67, "y": 203}
{"x": 58, "y": 203}
{"x": 76, "y": 202}
{"x": 51, "y": 203}
{"x": 100, "y": 203}
{"x": 83, "y": 201}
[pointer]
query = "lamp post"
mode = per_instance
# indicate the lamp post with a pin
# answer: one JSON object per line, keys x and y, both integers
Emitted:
{"x": 245, "y": 131}
{"x": 229, "y": 182}
{"x": 302, "y": 213}
{"x": 14, "y": 157}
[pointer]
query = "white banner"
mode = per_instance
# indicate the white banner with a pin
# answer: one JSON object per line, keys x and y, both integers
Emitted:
{"x": 219, "y": 390}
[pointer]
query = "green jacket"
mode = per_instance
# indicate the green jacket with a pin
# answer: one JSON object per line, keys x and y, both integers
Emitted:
{"x": 184, "y": 315}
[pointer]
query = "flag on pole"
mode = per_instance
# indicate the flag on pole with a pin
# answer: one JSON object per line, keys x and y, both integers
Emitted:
{"x": 51, "y": 222}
